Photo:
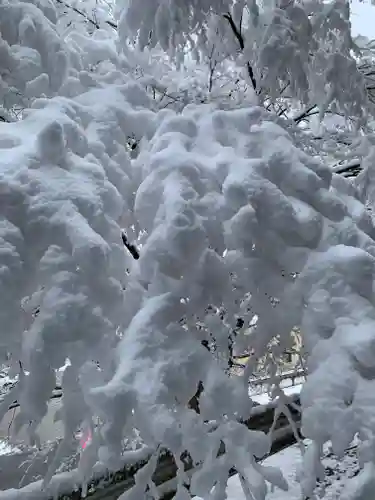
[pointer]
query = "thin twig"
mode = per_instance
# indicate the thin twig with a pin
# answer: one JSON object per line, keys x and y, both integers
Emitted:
{"x": 83, "y": 14}
{"x": 212, "y": 67}
{"x": 304, "y": 114}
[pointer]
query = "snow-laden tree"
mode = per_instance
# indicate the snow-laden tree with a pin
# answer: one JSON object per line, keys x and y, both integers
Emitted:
{"x": 228, "y": 213}
{"x": 306, "y": 46}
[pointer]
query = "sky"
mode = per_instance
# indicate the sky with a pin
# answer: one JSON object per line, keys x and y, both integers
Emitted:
{"x": 363, "y": 18}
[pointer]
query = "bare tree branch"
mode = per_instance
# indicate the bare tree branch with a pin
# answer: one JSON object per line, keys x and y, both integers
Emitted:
{"x": 133, "y": 250}
{"x": 351, "y": 169}
{"x": 304, "y": 114}
{"x": 212, "y": 66}
{"x": 83, "y": 14}
{"x": 238, "y": 35}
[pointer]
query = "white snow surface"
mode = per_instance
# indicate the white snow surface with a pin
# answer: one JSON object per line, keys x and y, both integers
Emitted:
{"x": 6, "y": 449}
{"x": 289, "y": 461}
{"x": 265, "y": 398}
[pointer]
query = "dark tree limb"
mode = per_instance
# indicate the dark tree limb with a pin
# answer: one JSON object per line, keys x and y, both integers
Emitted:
{"x": 133, "y": 250}
{"x": 351, "y": 170}
{"x": 194, "y": 401}
{"x": 237, "y": 33}
{"x": 304, "y": 114}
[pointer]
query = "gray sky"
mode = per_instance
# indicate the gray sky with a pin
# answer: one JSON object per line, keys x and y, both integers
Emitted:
{"x": 363, "y": 18}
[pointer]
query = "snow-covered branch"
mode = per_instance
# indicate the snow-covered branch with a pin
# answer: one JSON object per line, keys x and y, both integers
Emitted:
{"x": 85, "y": 16}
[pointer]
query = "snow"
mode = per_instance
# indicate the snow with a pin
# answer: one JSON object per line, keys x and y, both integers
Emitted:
{"x": 265, "y": 398}
{"x": 338, "y": 475}
{"x": 224, "y": 204}
{"x": 190, "y": 202}
{"x": 287, "y": 460}
{"x": 67, "y": 482}
{"x": 6, "y": 382}
{"x": 7, "y": 449}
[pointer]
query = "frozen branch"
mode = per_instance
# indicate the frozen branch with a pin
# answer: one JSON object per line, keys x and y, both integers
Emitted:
{"x": 237, "y": 33}
{"x": 85, "y": 16}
